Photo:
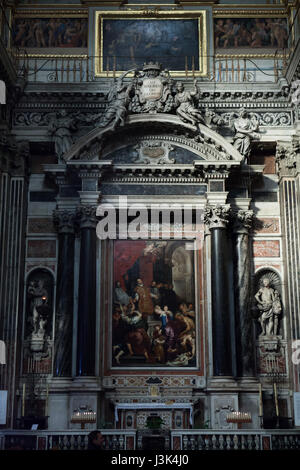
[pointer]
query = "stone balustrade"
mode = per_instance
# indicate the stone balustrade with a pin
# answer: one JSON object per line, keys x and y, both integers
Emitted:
{"x": 64, "y": 440}
{"x": 183, "y": 440}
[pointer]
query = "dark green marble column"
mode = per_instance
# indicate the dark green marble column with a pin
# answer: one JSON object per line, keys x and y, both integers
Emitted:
{"x": 86, "y": 327}
{"x": 221, "y": 284}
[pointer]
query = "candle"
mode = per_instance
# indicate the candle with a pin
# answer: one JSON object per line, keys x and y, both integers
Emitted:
{"x": 276, "y": 399}
{"x": 23, "y": 400}
{"x": 46, "y": 404}
{"x": 260, "y": 401}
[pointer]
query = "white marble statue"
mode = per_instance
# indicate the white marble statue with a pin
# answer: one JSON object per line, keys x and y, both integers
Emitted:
{"x": 185, "y": 107}
{"x": 61, "y": 130}
{"x": 245, "y": 130}
{"x": 269, "y": 304}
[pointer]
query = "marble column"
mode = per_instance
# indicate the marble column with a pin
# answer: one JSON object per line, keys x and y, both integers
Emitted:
{"x": 242, "y": 283}
{"x": 217, "y": 218}
{"x": 64, "y": 220}
{"x": 86, "y": 327}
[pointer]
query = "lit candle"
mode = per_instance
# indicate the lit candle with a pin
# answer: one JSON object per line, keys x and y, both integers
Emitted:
{"x": 260, "y": 401}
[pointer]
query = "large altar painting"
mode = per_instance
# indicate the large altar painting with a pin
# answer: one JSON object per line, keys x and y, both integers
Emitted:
{"x": 153, "y": 314}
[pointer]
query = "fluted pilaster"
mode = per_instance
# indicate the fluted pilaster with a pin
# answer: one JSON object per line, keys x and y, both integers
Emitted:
{"x": 64, "y": 221}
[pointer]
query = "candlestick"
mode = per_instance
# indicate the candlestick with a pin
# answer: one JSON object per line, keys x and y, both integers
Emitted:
{"x": 46, "y": 404}
{"x": 23, "y": 400}
{"x": 276, "y": 399}
{"x": 260, "y": 401}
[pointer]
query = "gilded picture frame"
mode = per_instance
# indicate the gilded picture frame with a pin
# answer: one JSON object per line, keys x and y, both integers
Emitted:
{"x": 126, "y": 40}
{"x": 254, "y": 26}
{"x": 51, "y": 33}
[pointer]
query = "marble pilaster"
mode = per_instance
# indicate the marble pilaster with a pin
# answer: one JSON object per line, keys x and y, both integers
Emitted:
{"x": 64, "y": 220}
{"x": 86, "y": 327}
{"x": 242, "y": 283}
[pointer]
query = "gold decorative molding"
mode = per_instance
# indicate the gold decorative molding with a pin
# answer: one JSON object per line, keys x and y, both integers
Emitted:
{"x": 53, "y": 56}
{"x": 51, "y": 13}
{"x": 252, "y": 56}
{"x": 270, "y": 12}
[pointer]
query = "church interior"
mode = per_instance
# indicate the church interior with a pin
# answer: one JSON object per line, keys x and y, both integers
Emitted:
{"x": 149, "y": 214}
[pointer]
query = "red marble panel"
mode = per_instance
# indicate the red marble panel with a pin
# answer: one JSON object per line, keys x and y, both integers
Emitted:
{"x": 129, "y": 443}
{"x": 41, "y": 225}
{"x": 176, "y": 443}
{"x": 41, "y": 249}
{"x": 267, "y": 225}
{"x": 266, "y": 248}
{"x": 266, "y": 444}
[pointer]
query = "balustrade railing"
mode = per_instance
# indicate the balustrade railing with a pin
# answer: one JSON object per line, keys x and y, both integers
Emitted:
{"x": 235, "y": 440}
{"x": 64, "y": 440}
{"x": 80, "y": 68}
{"x": 185, "y": 440}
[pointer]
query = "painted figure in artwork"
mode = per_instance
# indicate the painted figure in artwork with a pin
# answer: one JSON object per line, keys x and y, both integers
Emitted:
{"x": 143, "y": 298}
{"x": 269, "y": 304}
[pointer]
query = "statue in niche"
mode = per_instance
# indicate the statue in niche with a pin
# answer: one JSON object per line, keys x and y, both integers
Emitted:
{"x": 118, "y": 101}
{"x": 39, "y": 295}
{"x": 185, "y": 107}
{"x": 269, "y": 304}
{"x": 60, "y": 128}
{"x": 245, "y": 130}
{"x": 39, "y": 315}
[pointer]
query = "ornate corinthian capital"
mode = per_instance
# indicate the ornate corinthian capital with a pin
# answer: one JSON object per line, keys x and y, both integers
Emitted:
{"x": 217, "y": 216}
{"x": 243, "y": 221}
{"x": 64, "y": 221}
{"x": 86, "y": 216}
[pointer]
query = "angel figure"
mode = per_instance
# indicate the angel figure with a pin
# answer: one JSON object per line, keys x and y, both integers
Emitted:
{"x": 118, "y": 99}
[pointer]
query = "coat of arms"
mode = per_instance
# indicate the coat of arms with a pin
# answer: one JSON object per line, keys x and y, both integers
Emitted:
{"x": 152, "y": 90}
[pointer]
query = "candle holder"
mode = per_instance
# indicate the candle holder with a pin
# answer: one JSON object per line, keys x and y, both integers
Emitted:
{"x": 83, "y": 415}
{"x": 239, "y": 417}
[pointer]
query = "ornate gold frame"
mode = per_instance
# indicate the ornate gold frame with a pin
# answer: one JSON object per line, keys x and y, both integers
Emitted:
{"x": 201, "y": 15}
{"x": 47, "y": 12}
{"x": 263, "y": 11}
